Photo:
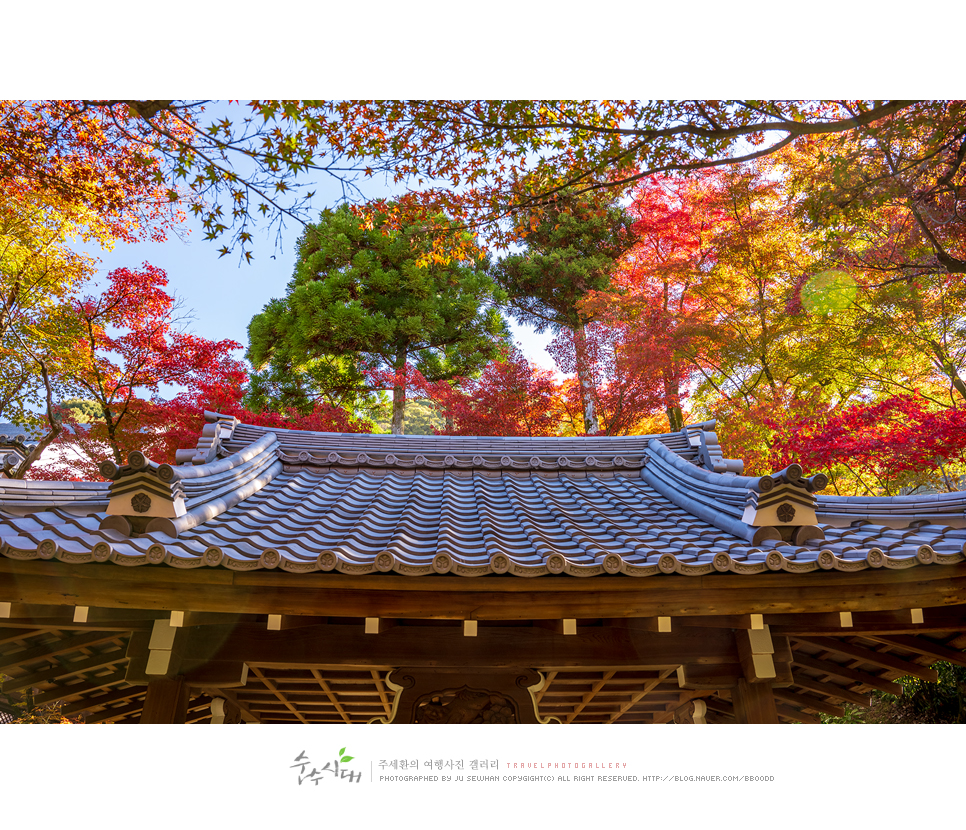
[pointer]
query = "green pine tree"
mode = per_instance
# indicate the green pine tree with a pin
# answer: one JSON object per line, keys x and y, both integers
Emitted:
{"x": 570, "y": 248}
{"x": 376, "y": 298}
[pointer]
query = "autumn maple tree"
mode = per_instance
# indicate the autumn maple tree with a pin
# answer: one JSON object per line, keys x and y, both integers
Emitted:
{"x": 129, "y": 346}
{"x": 510, "y": 396}
{"x": 481, "y": 162}
{"x": 39, "y": 277}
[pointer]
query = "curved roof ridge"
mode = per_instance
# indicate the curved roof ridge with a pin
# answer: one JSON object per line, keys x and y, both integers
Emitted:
{"x": 146, "y": 497}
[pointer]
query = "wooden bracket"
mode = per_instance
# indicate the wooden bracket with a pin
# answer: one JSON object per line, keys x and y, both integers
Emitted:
{"x": 157, "y": 653}
{"x": 224, "y": 711}
{"x": 755, "y": 651}
{"x": 694, "y": 711}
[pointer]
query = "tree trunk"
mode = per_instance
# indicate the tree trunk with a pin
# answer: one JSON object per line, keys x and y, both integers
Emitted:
{"x": 399, "y": 396}
{"x": 584, "y": 378}
{"x": 56, "y": 427}
{"x": 672, "y": 398}
{"x": 675, "y": 418}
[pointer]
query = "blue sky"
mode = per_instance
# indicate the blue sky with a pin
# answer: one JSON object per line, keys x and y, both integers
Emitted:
{"x": 223, "y": 293}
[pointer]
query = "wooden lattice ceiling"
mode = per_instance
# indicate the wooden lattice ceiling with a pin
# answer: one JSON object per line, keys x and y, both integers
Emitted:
{"x": 83, "y": 665}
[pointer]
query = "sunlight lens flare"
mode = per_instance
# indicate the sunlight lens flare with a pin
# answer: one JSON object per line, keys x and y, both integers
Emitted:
{"x": 828, "y": 292}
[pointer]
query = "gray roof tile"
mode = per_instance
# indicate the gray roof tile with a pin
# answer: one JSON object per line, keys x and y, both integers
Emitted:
{"x": 419, "y": 505}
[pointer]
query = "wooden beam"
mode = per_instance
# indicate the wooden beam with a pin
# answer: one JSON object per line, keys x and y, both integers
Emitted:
{"x": 455, "y": 597}
{"x": 901, "y": 621}
{"x": 876, "y": 658}
{"x": 597, "y": 649}
{"x": 846, "y": 673}
{"x": 215, "y": 674}
{"x": 656, "y": 625}
{"x": 66, "y": 617}
{"x": 924, "y": 647}
{"x": 301, "y": 620}
{"x": 186, "y": 619}
{"x": 699, "y": 676}
{"x": 749, "y": 621}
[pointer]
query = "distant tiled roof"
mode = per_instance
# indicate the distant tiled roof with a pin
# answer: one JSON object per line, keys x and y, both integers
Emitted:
{"x": 419, "y": 505}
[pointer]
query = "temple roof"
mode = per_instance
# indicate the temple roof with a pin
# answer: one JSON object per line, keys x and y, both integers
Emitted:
{"x": 249, "y": 497}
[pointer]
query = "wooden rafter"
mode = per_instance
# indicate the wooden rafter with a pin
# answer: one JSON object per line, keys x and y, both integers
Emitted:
{"x": 872, "y": 657}
{"x": 589, "y": 696}
{"x": 922, "y": 646}
{"x": 78, "y": 690}
{"x": 381, "y": 690}
{"x": 636, "y": 697}
{"x": 854, "y": 676}
{"x": 66, "y": 669}
{"x": 546, "y": 686}
{"x": 62, "y": 646}
{"x": 331, "y": 695}
{"x": 274, "y": 690}
{"x": 830, "y": 690}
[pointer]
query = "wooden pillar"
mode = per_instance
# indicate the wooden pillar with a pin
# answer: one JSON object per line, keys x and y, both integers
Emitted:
{"x": 754, "y": 702}
{"x": 166, "y": 701}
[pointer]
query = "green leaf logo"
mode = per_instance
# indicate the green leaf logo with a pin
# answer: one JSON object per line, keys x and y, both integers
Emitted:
{"x": 343, "y": 758}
